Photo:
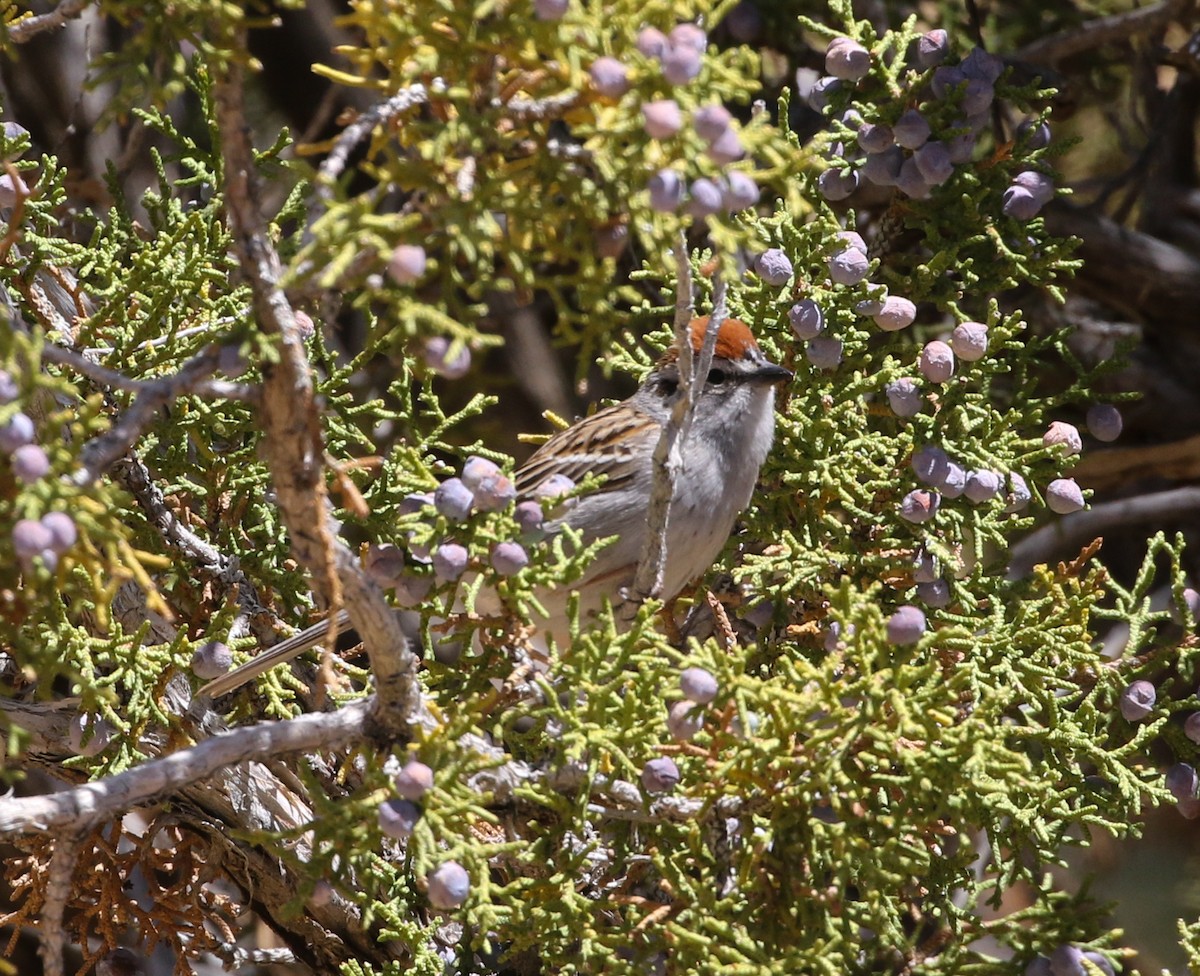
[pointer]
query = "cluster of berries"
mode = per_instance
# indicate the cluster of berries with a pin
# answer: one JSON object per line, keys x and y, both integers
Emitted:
{"x": 47, "y": 538}
{"x": 914, "y": 152}
{"x": 449, "y": 884}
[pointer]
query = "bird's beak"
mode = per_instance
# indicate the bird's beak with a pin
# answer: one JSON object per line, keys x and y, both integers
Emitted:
{"x": 770, "y": 373}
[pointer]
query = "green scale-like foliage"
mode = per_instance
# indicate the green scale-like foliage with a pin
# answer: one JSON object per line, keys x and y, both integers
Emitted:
{"x": 850, "y": 804}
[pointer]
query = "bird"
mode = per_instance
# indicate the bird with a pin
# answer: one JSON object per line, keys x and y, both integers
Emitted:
{"x": 725, "y": 446}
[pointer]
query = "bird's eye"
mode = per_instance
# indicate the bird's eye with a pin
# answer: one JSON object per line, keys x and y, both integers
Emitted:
{"x": 717, "y": 376}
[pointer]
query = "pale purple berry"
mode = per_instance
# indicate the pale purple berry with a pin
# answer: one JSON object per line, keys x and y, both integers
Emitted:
{"x": 837, "y": 184}
{"x": 553, "y": 489}
{"x": 29, "y": 463}
{"x": 88, "y": 735}
{"x": 509, "y": 558}
{"x": 822, "y": 90}
{"x": 662, "y": 118}
{"x": 61, "y": 527}
{"x": 11, "y": 189}
{"x": 1064, "y": 496}
{"x": 448, "y": 886}
{"x": 651, "y": 42}
{"x": 946, "y": 79}
{"x": 1137, "y": 700}
{"x": 660, "y": 775}
{"x": 906, "y": 625}
{"x": 849, "y": 267}
{"x": 933, "y": 47}
{"x": 874, "y": 137}
{"x": 1104, "y": 421}
{"x": 453, "y": 499}
{"x": 407, "y": 263}
{"x": 411, "y": 590}
{"x": 977, "y": 97}
{"x": 666, "y": 191}
{"x": 824, "y": 352}
{"x": 529, "y": 517}
{"x": 925, "y": 567}
{"x": 773, "y": 266}
{"x": 806, "y": 318}
{"x": 934, "y": 163}
{"x": 935, "y": 594}
{"x": 383, "y": 563}
{"x": 919, "y": 506}
{"x": 954, "y": 481}
{"x": 1064, "y": 434}
{"x": 910, "y": 182}
{"x": 684, "y": 720}
{"x": 550, "y": 9}
{"x": 740, "y": 192}
{"x": 1181, "y": 780}
{"x": 681, "y": 63}
{"x": 833, "y": 636}
{"x": 437, "y": 354}
{"x": 969, "y": 340}
{"x": 930, "y": 464}
{"x": 609, "y": 77}
{"x": 495, "y": 491}
{"x": 979, "y": 64}
{"x": 1019, "y": 495}
{"x": 398, "y": 818}
{"x": 726, "y": 148}
{"x": 415, "y": 502}
{"x": 910, "y": 130}
{"x": 904, "y": 397}
{"x": 847, "y": 59}
{"x": 414, "y": 780}
{"x": 711, "y": 121}
{"x": 1038, "y": 966}
{"x": 937, "y": 361}
{"x": 1191, "y": 727}
{"x": 698, "y": 685}
{"x": 961, "y": 147}
{"x": 8, "y": 388}
{"x": 1066, "y": 960}
{"x": 31, "y": 539}
{"x": 475, "y": 469}
{"x": 16, "y": 432}
{"x": 1034, "y": 133}
{"x": 450, "y": 561}
{"x": 211, "y": 660}
{"x": 982, "y": 486}
{"x": 1019, "y": 204}
{"x": 872, "y": 306}
{"x": 897, "y": 313}
{"x": 706, "y": 198}
{"x": 690, "y": 36}
{"x": 1191, "y": 603}
{"x": 1101, "y": 960}
{"x": 883, "y": 168}
{"x": 852, "y": 238}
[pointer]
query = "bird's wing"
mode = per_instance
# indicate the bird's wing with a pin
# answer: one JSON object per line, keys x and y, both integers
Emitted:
{"x": 608, "y": 443}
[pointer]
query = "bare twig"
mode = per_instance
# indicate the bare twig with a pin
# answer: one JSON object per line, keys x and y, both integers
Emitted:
{"x": 539, "y": 109}
{"x": 1103, "y": 30}
{"x": 30, "y": 27}
{"x": 292, "y": 441}
{"x": 194, "y": 376}
{"x": 1072, "y": 531}
{"x": 359, "y": 129}
{"x": 58, "y": 893}
{"x": 668, "y": 452}
{"x": 93, "y": 803}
